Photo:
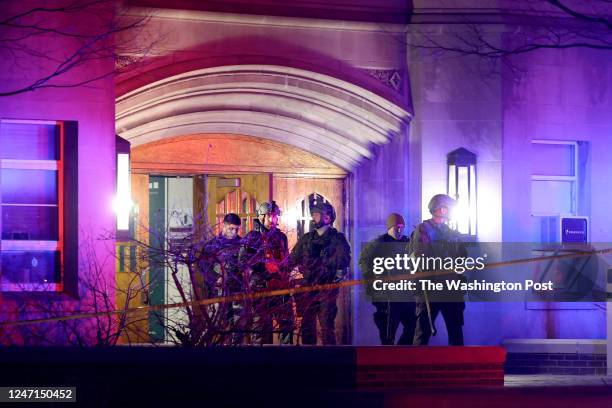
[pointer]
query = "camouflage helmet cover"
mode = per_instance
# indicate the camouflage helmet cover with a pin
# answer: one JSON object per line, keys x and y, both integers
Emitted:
{"x": 440, "y": 200}
{"x": 268, "y": 208}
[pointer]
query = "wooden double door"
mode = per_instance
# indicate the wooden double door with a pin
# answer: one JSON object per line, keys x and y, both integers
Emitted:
{"x": 218, "y": 195}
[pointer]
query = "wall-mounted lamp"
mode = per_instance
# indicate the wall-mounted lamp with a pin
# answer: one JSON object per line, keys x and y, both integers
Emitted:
{"x": 462, "y": 187}
{"x": 122, "y": 203}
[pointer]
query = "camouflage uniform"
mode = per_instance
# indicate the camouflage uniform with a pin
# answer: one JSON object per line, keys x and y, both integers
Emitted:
{"x": 321, "y": 259}
{"x": 266, "y": 251}
{"x": 224, "y": 277}
{"x": 390, "y": 313}
{"x": 438, "y": 240}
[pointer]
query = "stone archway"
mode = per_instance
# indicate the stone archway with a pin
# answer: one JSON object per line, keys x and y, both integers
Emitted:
{"x": 317, "y": 113}
{"x": 334, "y": 124}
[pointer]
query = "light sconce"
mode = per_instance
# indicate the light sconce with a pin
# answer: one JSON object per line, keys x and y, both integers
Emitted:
{"x": 462, "y": 187}
{"x": 123, "y": 203}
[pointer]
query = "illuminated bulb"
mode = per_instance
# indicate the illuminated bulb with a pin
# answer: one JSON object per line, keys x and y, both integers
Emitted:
{"x": 461, "y": 216}
{"x": 122, "y": 205}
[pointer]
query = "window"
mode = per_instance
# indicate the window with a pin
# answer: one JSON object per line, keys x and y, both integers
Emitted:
{"x": 239, "y": 202}
{"x": 31, "y": 205}
{"x": 554, "y": 180}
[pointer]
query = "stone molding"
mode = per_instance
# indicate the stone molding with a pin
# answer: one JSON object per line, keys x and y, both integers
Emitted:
{"x": 323, "y": 115}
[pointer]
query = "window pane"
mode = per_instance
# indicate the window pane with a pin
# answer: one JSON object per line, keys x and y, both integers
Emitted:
{"x": 551, "y": 197}
{"x": 29, "y": 186}
{"x": 553, "y": 159}
{"x": 30, "y": 267}
{"x": 29, "y": 141}
{"x": 29, "y": 222}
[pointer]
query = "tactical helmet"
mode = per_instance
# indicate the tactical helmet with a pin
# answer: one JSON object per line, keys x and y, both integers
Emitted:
{"x": 440, "y": 200}
{"x": 268, "y": 208}
{"x": 324, "y": 208}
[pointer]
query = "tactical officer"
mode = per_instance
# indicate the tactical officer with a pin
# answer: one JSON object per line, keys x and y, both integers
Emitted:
{"x": 322, "y": 256}
{"x": 434, "y": 238}
{"x": 224, "y": 274}
{"x": 389, "y": 312}
{"x": 266, "y": 254}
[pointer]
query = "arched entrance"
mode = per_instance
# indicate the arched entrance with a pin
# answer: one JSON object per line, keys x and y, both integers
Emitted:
{"x": 292, "y": 133}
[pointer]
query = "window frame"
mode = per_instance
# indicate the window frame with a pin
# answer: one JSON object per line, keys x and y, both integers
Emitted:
{"x": 38, "y": 245}
{"x": 572, "y": 179}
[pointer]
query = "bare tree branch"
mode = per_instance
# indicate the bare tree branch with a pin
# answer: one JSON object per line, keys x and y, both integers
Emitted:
{"x": 530, "y": 26}
{"x": 581, "y": 16}
{"x": 66, "y": 40}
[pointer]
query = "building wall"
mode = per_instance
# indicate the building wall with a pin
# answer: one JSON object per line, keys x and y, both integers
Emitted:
{"x": 379, "y": 187}
{"x": 187, "y": 40}
{"x": 561, "y": 95}
{"x": 558, "y": 95}
{"x": 93, "y": 108}
{"x": 457, "y": 104}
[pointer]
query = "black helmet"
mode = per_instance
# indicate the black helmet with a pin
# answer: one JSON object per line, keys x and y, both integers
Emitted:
{"x": 268, "y": 208}
{"x": 440, "y": 200}
{"x": 324, "y": 208}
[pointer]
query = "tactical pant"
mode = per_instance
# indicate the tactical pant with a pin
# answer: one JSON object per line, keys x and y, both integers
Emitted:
{"x": 238, "y": 322}
{"x": 321, "y": 305}
{"x": 388, "y": 317}
{"x": 267, "y": 309}
{"x": 452, "y": 312}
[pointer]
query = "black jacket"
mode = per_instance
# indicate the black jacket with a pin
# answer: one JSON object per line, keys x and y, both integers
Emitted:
{"x": 319, "y": 257}
{"x": 377, "y": 248}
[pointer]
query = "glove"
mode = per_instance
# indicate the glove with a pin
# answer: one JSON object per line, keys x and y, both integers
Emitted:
{"x": 295, "y": 277}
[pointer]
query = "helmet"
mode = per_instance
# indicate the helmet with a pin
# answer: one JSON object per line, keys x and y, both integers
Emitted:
{"x": 324, "y": 208}
{"x": 440, "y": 200}
{"x": 268, "y": 208}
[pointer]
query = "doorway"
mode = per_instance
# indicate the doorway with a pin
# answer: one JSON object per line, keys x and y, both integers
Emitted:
{"x": 194, "y": 181}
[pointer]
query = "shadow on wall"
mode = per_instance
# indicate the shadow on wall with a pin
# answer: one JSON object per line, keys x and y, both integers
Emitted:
{"x": 257, "y": 51}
